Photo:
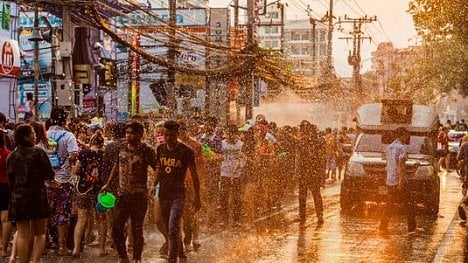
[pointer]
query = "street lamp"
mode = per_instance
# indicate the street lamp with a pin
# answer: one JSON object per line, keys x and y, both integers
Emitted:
{"x": 36, "y": 37}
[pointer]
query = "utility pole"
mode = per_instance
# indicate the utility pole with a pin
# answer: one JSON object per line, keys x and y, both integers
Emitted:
{"x": 130, "y": 79}
{"x": 330, "y": 70}
{"x": 280, "y": 6}
{"x": 354, "y": 57}
{"x": 236, "y": 27}
{"x": 313, "y": 22}
{"x": 249, "y": 83}
{"x": 67, "y": 60}
{"x": 171, "y": 57}
{"x": 36, "y": 64}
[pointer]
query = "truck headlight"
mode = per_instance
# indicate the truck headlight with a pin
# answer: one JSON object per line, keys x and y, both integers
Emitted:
{"x": 356, "y": 169}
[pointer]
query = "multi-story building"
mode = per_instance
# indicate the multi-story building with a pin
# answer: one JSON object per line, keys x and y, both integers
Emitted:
{"x": 270, "y": 28}
{"x": 180, "y": 3}
{"x": 389, "y": 62}
{"x": 298, "y": 46}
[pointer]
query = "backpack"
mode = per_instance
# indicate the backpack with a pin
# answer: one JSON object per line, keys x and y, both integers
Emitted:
{"x": 55, "y": 160}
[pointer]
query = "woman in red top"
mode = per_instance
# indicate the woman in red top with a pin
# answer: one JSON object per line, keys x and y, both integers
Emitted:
{"x": 4, "y": 195}
{"x": 443, "y": 148}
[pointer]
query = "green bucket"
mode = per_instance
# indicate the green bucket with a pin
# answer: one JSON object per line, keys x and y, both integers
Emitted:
{"x": 107, "y": 200}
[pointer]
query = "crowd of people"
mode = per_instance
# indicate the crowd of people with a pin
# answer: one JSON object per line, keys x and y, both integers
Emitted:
{"x": 191, "y": 174}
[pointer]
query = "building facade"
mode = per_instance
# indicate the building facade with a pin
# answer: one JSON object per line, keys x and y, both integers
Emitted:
{"x": 270, "y": 28}
{"x": 389, "y": 62}
{"x": 8, "y": 36}
{"x": 180, "y": 3}
{"x": 298, "y": 46}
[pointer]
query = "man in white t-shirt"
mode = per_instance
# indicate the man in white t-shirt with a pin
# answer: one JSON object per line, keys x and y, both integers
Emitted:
{"x": 231, "y": 171}
{"x": 60, "y": 197}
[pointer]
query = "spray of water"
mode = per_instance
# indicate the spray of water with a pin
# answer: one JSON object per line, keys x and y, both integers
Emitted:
{"x": 291, "y": 109}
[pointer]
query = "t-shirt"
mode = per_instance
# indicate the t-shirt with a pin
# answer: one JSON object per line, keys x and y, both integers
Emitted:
{"x": 311, "y": 154}
{"x": 214, "y": 141}
{"x": 133, "y": 168}
{"x": 66, "y": 146}
{"x": 443, "y": 140}
{"x": 232, "y": 163}
{"x": 172, "y": 167}
{"x": 3, "y": 169}
{"x": 91, "y": 169}
{"x": 111, "y": 153}
{"x": 396, "y": 151}
{"x": 331, "y": 144}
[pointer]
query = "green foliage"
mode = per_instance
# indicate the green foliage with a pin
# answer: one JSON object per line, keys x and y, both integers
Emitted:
{"x": 442, "y": 65}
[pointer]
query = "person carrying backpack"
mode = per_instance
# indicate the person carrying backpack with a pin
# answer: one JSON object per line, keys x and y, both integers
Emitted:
{"x": 60, "y": 197}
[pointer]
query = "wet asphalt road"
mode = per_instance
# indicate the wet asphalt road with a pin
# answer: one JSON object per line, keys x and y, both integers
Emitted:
{"x": 344, "y": 237}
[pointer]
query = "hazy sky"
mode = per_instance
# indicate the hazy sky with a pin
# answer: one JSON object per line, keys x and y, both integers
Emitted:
{"x": 394, "y": 24}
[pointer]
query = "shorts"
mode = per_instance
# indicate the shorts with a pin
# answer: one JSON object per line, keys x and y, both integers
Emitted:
{"x": 441, "y": 153}
{"x": 60, "y": 204}
{"x": 4, "y": 197}
{"x": 86, "y": 201}
{"x": 331, "y": 162}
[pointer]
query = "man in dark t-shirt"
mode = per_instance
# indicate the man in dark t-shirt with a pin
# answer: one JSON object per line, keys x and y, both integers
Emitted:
{"x": 173, "y": 158}
{"x": 310, "y": 169}
{"x": 131, "y": 168}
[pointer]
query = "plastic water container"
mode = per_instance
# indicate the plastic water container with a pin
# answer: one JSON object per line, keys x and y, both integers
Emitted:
{"x": 101, "y": 209}
{"x": 107, "y": 200}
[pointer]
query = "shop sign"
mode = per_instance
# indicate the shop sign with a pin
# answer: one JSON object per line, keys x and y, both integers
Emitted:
{"x": 10, "y": 58}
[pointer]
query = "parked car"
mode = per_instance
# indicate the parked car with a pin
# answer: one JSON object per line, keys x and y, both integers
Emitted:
{"x": 365, "y": 180}
{"x": 455, "y": 138}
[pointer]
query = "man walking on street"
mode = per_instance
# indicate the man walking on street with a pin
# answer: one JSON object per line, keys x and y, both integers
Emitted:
{"x": 131, "y": 168}
{"x": 310, "y": 168}
{"x": 397, "y": 183}
{"x": 173, "y": 158}
{"x": 60, "y": 197}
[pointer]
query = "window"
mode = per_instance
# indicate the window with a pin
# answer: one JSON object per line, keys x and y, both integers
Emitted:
{"x": 271, "y": 30}
{"x": 322, "y": 50}
{"x": 322, "y": 36}
{"x": 306, "y": 36}
{"x": 274, "y": 44}
{"x": 295, "y": 50}
{"x": 374, "y": 143}
{"x": 273, "y": 15}
{"x": 295, "y": 36}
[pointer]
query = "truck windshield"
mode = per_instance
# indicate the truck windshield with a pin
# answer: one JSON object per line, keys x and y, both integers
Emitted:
{"x": 373, "y": 143}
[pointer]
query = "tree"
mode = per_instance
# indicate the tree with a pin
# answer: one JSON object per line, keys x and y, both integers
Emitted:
{"x": 442, "y": 65}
